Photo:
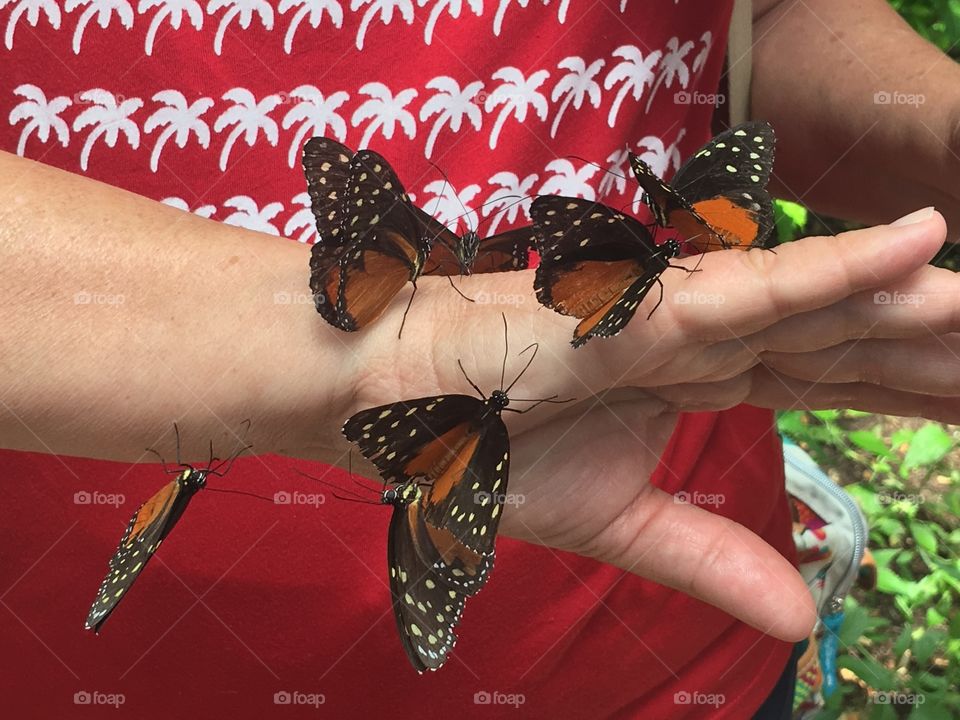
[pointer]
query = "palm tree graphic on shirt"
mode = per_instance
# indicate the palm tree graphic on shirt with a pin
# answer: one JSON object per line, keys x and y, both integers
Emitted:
{"x": 315, "y": 113}
{"x": 311, "y": 10}
{"x": 385, "y": 111}
{"x": 659, "y": 157}
{"x": 247, "y": 214}
{"x": 506, "y": 202}
{"x": 41, "y": 116}
{"x": 383, "y": 8}
{"x": 301, "y": 225}
{"x": 568, "y": 181}
{"x": 451, "y": 207}
{"x": 32, "y": 8}
{"x": 516, "y": 94}
{"x": 672, "y": 67}
{"x": 451, "y": 105}
{"x": 172, "y": 11}
{"x": 453, "y": 7}
{"x": 181, "y": 121}
{"x": 248, "y": 117}
{"x": 615, "y": 176}
{"x": 103, "y": 10}
{"x": 242, "y": 9}
{"x": 204, "y": 211}
{"x": 635, "y": 73}
{"x": 575, "y": 86}
{"x": 108, "y": 119}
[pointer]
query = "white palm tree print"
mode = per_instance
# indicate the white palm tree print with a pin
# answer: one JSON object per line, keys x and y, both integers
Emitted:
{"x": 701, "y": 58}
{"x": 181, "y": 120}
{"x": 615, "y": 175}
{"x": 576, "y": 85}
{"x": 451, "y": 105}
{"x": 569, "y": 181}
{"x": 32, "y": 8}
{"x": 383, "y": 8}
{"x": 104, "y": 10}
{"x": 247, "y": 214}
{"x": 249, "y": 117}
{"x": 315, "y": 113}
{"x": 454, "y": 7}
{"x": 516, "y": 94}
{"x": 672, "y": 67}
{"x": 204, "y": 211}
{"x": 41, "y": 116}
{"x": 501, "y": 11}
{"x": 384, "y": 111}
{"x": 311, "y": 10}
{"x": 561, "y": 10}
{"x": 245, "y": 10}
{"x": 635, "y": 73}
{"x": 172, "y": 11}
{"x": 451, "y": 207}
{"x": 506, "y": 201}
{"x": 301, "y": 226}
{"x": 659, "y": 157}
{"x": 109, "y": 119}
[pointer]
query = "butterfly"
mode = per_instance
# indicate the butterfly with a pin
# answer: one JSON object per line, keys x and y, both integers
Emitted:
{"x": 373, "y": 239}
{"x": 718, "y": 199}
{"x": 596, "y": 263}
{"x": 431, "y": 576}
{"x": 148, "y": 528}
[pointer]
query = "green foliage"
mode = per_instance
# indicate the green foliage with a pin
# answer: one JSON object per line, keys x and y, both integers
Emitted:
{"x": 904, "y": 636}
{"x": 936, "y": 20}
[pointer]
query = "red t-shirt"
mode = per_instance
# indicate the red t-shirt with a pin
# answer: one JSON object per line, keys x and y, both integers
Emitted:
{"x": 207, "y": 108}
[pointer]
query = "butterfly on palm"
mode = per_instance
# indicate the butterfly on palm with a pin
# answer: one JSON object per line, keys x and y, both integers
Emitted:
{"x": 373, "y": 239}
{"x": 718, "y": 199}
{"x": 596, "y": 263}
{"x": 149, "y": 526}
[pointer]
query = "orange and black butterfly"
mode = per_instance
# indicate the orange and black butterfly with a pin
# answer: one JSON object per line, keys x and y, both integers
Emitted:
{"x": 148, "y": 527}
{"x": 718, "y": 199}
{"x": 373, "y": 239}
{"x": 596, "y": 263}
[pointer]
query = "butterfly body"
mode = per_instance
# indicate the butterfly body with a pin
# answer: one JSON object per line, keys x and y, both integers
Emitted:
{"x": 718, "y": 198}
{"x": 148, "y": 527}
{"x": 596, "y": 263}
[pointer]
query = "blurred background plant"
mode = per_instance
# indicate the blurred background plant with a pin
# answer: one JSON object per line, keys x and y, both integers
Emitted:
{"x": 904, "y": 636}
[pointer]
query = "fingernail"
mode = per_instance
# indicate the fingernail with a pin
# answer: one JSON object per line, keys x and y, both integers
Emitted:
{"x": 914, "y": 217}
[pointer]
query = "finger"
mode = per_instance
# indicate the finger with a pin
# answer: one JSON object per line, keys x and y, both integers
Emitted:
{"x": 928, "y": 365}
{"x": 926, "y": 302}
{"x": 713, "y": 559}
{"x": 737, "y": 293}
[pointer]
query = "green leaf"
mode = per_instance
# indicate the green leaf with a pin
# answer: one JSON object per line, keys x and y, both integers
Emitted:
{"x": 955, "y": 626}
{"x": 903, "y": 642}
{"x": 869, "y": 441}
{"x": 930, "y": 709}
{"x": 929, "y": 445}
{"x": 925, "y": 537}
{"x": 925, "y": 645}
{"x": 870, "y": 671}
{"x": 855, "y": 622}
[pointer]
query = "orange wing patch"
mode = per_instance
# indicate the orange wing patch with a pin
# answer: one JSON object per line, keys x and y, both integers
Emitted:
{"x": 591, "y": 287}
{"x": 729, "y": 225}
{"x": 368, "y": 291}
{"x": 152, "y": 509}
{"x": 451, "y": 549}
{"x": 454, "y": 471}
{"x": 437, "y": 454}
{"x": 589, "y": 323}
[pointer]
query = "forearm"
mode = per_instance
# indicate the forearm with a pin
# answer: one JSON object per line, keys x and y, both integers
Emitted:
{"x": 818, "y": 67}
{"x": 121, "y": 315}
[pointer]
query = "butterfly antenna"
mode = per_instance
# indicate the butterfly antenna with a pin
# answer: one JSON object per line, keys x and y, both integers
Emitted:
{"x": 357, "y": 497}
{"x": 552, "y": 400}
{"x": 162, "y": 462}
{"x": 240, "y": 492}
{"x": 472, "y": 383}
{"x": 459, "y": 291}
{"x": 506, "y": 350}
{"x": 176, "y": 431}
{"x": 448, "y": 184}
{"x": 409, "y": 303}
{"x": 607, "y": 170}
{"x": 536, "y": 348}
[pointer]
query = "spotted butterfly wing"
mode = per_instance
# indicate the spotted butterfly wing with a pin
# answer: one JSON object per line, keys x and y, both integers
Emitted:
{"x": 596, "y": 263}
{"x": 150, "y": 524}
{"x": 718, "y": 198}
{"x": 370, "y": 244}
{"x": 468, "y": 254}
{"x": 426, "y": 608}
{"x": 458, "y": 444}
